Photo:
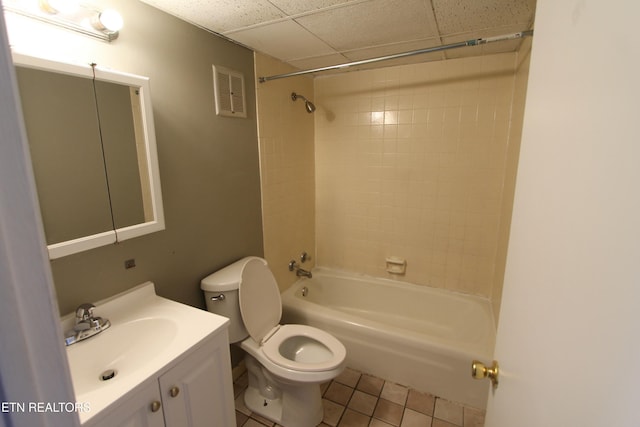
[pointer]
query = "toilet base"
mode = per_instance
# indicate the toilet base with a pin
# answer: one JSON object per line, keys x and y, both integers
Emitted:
{"x": 290, "y": 405}
{"x": 268, "y": 408}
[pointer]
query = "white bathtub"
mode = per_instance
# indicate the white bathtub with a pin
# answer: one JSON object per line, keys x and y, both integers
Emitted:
{"x": 417, "y": 336}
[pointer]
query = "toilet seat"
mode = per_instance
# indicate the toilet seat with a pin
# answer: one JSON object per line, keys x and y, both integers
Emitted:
{"x": 259, "y": 298}
{"x": 298, "y": 348}
{"x": 304, "y": 348}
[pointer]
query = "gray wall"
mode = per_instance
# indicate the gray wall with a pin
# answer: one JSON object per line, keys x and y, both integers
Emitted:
{"x": 208, "y": 166}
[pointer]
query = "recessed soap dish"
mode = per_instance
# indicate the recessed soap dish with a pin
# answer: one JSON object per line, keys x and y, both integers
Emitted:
{"x": 396, "y": 265}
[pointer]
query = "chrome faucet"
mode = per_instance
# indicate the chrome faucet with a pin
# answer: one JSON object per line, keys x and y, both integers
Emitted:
{"x": 86, "y": 325}
{"x": 293, "y": 265}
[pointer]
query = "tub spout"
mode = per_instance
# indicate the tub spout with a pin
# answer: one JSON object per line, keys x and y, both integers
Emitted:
{"x": 303, "y": 272}
{"x": 300, "y": 272}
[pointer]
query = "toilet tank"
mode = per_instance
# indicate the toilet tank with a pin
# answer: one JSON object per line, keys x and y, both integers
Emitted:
{"x": 221, "y": 295}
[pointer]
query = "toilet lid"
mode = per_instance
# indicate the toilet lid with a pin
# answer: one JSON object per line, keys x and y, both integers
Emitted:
{"x": 259, "y": 298}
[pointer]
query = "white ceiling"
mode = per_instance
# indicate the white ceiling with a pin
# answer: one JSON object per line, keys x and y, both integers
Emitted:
{"x": 317, "y": 33}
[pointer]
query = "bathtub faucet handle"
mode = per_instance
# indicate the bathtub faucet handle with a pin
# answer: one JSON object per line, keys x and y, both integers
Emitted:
{"x": 293, "y": 265}
{"x": 304, "y": 256}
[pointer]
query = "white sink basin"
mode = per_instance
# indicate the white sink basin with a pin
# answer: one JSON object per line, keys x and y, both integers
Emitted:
{"x": 147, "y": 332}
{"x": 123, "y": 348}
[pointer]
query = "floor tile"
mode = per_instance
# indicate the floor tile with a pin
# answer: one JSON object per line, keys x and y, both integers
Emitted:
{"x": 324, "y": 387}
{"x": 448, "y": 411}
{"x": 363, "y": 402}
{"x": 241, "y": 418}
{"x": 441, "y": 423}
{"x": 354, "y": 419}
{"x": 240, "y": 385}
{"x": 349, "y": 377}
{"x": 370, "y": 384}
{"x": 237, "y": 390}
{"x": 473, "y": 417}
{"x": 394, "y": 393}
{"x": 379, "y": 423}
{"x": 413, "y": 418}
{"x": 388, "y": 412}
{"x": 242, "y": 380}
{"x": 262, "y": 420}
{"x": 332, "y": 412}
{"x": 339, "y": 393}
{"x": 421, "y": 402}
{"x": 253, "y": 423}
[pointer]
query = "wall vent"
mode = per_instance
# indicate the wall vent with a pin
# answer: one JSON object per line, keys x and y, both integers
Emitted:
{"x": 229, "y": 92}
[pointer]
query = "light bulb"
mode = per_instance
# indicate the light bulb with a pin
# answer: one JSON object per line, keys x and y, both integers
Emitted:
{"x": 111, "y": 20}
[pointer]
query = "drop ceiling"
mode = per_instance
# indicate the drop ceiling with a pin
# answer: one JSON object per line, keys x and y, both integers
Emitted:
{"x": 317, "y": 33}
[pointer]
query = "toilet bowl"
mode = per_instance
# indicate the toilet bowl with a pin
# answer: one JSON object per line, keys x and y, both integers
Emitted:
{"x": 299, "y": 353}
{"x": 286, "y": 363}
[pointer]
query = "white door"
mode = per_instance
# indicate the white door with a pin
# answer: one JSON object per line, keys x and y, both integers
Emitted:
{"x": 569, "y": 331}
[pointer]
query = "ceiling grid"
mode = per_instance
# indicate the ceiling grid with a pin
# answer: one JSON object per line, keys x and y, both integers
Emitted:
{"x": 318, "y": 33}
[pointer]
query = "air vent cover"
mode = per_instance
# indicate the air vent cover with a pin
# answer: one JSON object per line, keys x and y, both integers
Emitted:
{"x": 229, "y": 89}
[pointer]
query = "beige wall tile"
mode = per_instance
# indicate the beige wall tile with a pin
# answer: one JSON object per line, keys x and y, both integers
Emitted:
{"x": 414, "y": 161}
{"x": 285, "y": 134}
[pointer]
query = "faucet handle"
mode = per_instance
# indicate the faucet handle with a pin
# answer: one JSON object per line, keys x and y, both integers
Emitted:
{"x": 84, "y": 312}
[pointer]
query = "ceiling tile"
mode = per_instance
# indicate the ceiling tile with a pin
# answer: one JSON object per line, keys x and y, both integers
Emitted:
{"x": 372, "y": 23}
{"x": 316, "y": 33}
{"x": 284, "y": 40}
{"x": 319, "y": 61}
{"x": 384, "y": 50}
{"x": 457, "y": 16}
{"x": 220, "y": 15}
{"x": 295, "y": 7}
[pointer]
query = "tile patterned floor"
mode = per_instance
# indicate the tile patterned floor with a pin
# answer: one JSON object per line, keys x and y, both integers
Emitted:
{"x": 355, "y": 399}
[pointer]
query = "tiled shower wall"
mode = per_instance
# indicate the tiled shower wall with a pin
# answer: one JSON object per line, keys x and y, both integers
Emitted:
{"x": 412, "y": 161}
{"x": 285, "y": 135}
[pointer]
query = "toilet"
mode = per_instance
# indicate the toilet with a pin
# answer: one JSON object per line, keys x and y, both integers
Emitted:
{"x": 286, "y": 363}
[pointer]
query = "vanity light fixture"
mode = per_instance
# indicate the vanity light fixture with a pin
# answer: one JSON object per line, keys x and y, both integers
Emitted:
{"x": 74, "y": 15}
{"x": 59, "y": 6}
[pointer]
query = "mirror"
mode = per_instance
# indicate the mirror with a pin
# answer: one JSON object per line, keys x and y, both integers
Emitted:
{"x": 93, "y": 149}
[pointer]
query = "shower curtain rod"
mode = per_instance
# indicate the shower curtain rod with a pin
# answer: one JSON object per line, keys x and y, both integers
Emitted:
{"x": 472, "y": 42}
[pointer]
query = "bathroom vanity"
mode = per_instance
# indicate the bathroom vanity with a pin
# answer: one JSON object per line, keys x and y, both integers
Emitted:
{"x": 161, "y": 363}
{"x": 190, "y": 392}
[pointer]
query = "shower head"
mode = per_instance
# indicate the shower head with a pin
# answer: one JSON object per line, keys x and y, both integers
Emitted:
{"x": 308, "y": 105}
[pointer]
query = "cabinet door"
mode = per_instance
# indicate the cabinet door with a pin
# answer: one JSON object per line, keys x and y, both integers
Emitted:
{"x": 198, "y": 392}
{"x": 141, "y": 409}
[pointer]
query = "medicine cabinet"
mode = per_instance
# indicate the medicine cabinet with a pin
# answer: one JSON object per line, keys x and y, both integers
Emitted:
{"x": 93, "y": 149}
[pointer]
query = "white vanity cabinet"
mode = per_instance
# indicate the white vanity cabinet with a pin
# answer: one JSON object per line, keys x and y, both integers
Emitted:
{"x": 194, "y": 391}
{"x": 142, "y": 409}
{"x": 199, "y": 391}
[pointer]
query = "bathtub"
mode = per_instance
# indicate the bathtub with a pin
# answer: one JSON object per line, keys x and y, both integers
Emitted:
{"x": 417, "y": 336}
